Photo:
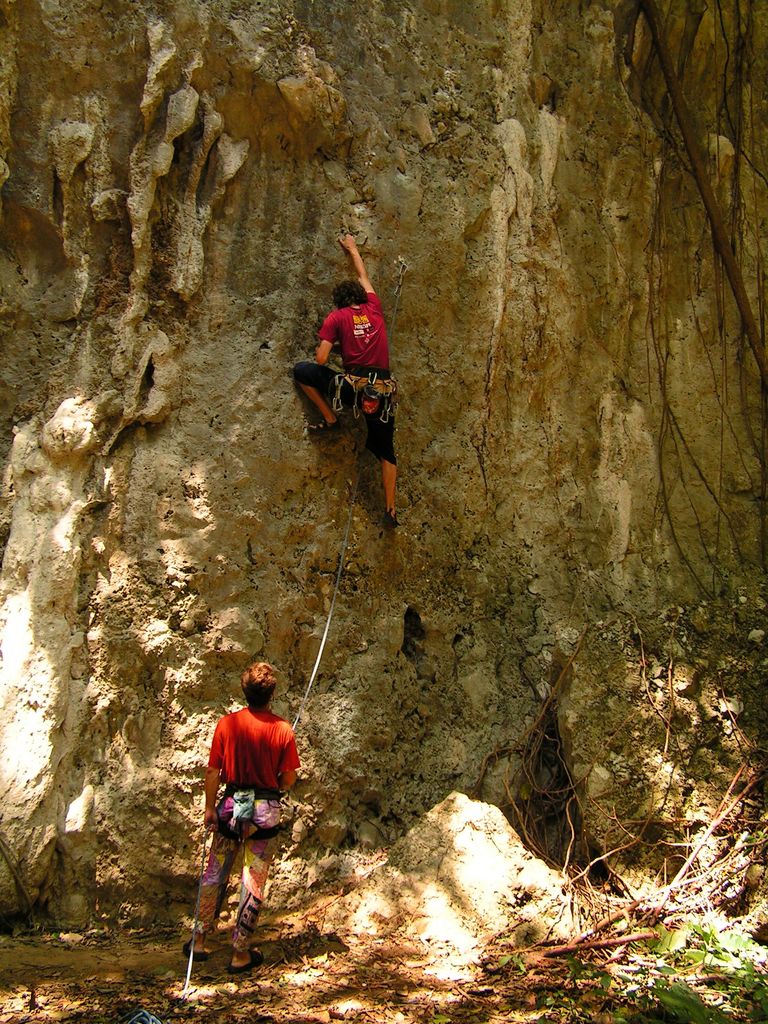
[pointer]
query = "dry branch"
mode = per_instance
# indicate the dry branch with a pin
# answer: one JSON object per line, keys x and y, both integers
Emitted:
{"x": 616, "y": 940}
{"x": 719, "y": 818}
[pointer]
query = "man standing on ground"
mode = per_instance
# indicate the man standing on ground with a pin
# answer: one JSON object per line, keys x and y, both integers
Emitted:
{"x": 357, "y": 326}
{"x": 254, "y": 754}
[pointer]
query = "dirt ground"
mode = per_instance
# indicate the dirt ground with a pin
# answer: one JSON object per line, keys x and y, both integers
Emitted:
{"x": 310, "y": 975}
{"x": 307, "y": 976}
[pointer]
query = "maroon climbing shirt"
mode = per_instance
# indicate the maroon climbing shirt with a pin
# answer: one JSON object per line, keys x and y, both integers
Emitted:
{"x": 361, "y": 332}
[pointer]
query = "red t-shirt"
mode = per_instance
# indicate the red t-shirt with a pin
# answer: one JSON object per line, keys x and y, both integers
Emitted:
{"x": 253, "y": 748}
{"x": 361, "y": 332}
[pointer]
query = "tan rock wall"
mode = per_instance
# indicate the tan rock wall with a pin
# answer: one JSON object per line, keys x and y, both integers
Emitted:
{"x": 168, "y": 251}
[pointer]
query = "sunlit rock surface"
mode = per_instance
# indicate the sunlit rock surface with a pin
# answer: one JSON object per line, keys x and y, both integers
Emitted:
{"x": 459, "y": 877}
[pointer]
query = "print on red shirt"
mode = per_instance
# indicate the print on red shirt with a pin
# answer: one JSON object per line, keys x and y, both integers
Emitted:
{"x": 362, "y": 327}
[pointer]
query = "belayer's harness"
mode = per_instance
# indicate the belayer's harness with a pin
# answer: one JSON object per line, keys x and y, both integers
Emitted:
{"x": 374, "y": 390}
{"x": 243, "y": 800}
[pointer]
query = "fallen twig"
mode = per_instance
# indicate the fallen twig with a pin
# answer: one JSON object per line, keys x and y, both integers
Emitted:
{"x": 617, "y": 940}
{"x": 623, "y": 911}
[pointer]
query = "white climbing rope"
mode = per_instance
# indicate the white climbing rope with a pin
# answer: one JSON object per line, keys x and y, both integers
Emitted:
{"x": 402, "y": 268}
{"x": 339, "y": 571}
{"x": 194, "y": 923}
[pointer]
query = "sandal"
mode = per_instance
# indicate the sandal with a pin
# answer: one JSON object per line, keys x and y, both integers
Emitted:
{"x": 256, "y": 958}
{"x": 200, "y": 955}
{"x": 323, "y": 426}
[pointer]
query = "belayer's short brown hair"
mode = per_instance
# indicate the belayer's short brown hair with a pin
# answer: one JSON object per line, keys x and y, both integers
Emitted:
{"x": 258, "y": 682}
{"x": 349, "y": 293}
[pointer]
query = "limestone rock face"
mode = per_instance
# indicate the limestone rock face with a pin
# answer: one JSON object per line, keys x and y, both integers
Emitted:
{"x": 579, "y": 432}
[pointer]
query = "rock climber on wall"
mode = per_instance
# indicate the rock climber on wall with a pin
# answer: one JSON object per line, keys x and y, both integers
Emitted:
{"x": 357, "y": 327}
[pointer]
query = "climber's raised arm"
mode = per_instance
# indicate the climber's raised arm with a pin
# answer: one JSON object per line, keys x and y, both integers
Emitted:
{"x": 348, "y": 243}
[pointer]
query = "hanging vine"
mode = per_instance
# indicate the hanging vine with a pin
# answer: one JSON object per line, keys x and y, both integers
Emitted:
{"x": 661, "y": 71}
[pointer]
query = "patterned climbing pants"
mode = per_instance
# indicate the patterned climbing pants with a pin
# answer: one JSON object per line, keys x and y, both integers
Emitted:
{"x": 257, "y": 857}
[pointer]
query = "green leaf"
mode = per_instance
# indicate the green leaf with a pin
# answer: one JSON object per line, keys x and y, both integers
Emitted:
{"x": 683, "y": 1003}
{"x": 512, "y": 958}
{"x": 670, "y": 941}
{"x": 696, "y": 956}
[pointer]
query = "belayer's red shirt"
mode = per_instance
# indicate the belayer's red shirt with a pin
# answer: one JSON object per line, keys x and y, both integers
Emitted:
{"x": 253, "y": 748}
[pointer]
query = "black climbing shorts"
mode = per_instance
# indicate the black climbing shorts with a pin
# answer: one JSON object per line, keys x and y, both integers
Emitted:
{"x": 381, "y": 436}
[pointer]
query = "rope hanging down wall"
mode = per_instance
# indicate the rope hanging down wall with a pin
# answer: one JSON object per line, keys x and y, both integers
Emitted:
{"x": 339, "y": 571}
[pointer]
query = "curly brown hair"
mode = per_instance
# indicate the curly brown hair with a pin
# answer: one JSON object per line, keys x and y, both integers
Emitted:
{"x": 258, "y": 682}
{"x": 349, "y": 293}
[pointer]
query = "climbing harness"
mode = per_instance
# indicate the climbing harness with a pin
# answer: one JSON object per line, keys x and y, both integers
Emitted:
{"x": 374, "y": 389}
{"x": 194, "y": 923}
{"x": 236, "y": 822}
